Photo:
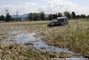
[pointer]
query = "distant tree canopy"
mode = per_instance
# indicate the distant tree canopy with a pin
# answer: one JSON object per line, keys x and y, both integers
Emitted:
{"x": 81, "y": 16}
{"x": 50, "y": 16}
{"x": 78, "y": 16}
{"x": 54, "y": 16}
{"x": 73, "y": 15}
{"x": 59, "y": 15}
{"x": 36, "y": 16}
{"x": 2, "y": 18}
{"x": 8, "y": 17}
{"x": 33, "y": 16}
{"x": 67, "y": 14}
{"x": 88, "y": 16}
{"x": 42, "y": 15}
{"x": 30, "y": 16}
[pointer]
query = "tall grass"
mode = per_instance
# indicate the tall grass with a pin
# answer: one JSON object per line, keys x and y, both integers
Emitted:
{"x": 74, "y": 36}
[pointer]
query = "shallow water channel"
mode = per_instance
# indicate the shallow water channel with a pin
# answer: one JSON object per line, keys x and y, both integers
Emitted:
{"x": 23, "y": 38}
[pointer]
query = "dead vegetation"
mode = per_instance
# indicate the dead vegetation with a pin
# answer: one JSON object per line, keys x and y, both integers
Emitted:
{"x": 73, "y": 36}
{"x": 13, "y": 51}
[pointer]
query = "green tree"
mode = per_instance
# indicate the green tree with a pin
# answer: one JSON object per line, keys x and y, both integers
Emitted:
{"x": 2, "y": 18}
{"x": 42, "y": 15}
{"x": 78, "y": 16}
{"x": 8, "y": 17}
{"x": 83, "y": 16}
{"x": 73, "y": 15}
{"x": 36, "y": 16}
{"x": 60, "y": 14}
{"x": 67, "y": 14}
{"x": 54, "y": 16}
{"x": 30, "y": 16}
{"x": 87, "y": 16}
{"x": 50, "y": 16}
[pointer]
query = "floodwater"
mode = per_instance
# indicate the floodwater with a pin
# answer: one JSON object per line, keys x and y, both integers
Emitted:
{"x": 23, "y": 38}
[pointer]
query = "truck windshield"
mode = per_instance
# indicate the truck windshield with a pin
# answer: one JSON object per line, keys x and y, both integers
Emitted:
{"x": 60, "y": 20}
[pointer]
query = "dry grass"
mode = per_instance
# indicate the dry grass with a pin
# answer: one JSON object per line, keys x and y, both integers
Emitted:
{"x": 74, "y": 36}
{"x": 13, "y": 51}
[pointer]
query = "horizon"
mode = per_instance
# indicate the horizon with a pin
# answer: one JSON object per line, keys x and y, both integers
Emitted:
{"x": 47, "y": 6}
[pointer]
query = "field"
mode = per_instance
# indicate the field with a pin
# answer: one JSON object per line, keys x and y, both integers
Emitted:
{"x": 74, "y": 36}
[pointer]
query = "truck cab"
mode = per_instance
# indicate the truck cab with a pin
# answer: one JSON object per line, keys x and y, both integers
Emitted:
{"x": 62, "y": 20}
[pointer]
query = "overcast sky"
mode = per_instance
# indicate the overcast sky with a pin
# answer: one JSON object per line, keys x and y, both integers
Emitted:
{"x": 47, "y": 6}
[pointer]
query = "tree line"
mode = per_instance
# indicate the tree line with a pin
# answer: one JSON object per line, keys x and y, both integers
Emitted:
{"x": 6, "y": 18}
{"x": 42, "y": 16}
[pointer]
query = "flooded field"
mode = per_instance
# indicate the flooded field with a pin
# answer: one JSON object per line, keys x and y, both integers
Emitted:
{"x": 37, "y": 35}
{"x": 28, "y": 38}
{"x": 31, "y": 41}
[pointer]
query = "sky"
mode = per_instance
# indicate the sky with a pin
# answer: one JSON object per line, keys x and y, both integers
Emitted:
{"x": 47, "y": 6}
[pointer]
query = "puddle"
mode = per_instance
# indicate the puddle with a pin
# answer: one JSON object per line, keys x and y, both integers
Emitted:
{"x": 23, "y": 38}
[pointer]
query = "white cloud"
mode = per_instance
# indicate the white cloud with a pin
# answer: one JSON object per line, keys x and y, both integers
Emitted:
{"x": 62, "y": 5}
{"x": 51, "y": 6}
{"x": 22, "y": 9}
